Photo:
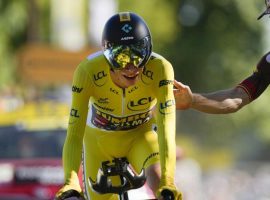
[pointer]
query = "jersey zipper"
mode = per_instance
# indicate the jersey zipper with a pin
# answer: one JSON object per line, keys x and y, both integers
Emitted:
{"x": 123, "y": 101}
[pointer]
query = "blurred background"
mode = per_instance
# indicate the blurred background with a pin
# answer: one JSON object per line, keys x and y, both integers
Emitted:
{"x": 212, "y": 45}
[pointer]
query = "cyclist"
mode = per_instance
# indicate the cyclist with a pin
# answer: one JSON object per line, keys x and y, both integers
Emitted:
{"x": 229, "y": 100}
{"x": 129, "y": 92}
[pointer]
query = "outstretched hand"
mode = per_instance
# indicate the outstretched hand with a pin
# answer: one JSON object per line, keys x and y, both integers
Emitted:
{"x": 182, "y": 95}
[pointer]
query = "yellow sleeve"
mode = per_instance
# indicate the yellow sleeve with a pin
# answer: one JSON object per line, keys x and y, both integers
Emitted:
{"x": 72, "y": 151}
{"x": 166, "y": 124}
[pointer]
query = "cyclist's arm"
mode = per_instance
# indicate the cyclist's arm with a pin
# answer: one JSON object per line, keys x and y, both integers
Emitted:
{"x": 72, "y": 151}
{"x": 166, "y": 128}
{"x": 220, "y": 102}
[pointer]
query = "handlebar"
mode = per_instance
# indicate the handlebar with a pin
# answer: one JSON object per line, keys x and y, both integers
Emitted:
{"x": 119, "y": 167}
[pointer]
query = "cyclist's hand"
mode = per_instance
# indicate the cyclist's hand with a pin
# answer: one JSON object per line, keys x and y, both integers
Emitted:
{"x": 68, "y": 195}
{"x": 182, "y": 95}
{"x": 263, "y": 67}
{"x": 169, "y": 193}
{"x": 71, "y": 188}
{"x": 68, "y": 191}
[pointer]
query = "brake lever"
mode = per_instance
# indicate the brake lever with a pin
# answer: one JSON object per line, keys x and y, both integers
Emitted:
{"x": 267, "y": 11}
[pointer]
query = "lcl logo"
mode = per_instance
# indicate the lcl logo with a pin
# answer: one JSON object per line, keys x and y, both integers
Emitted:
{"x": 164, "y": 107}
{"x": 99, "y": 78}
{"x": 140, "y": 104}
{"x": 148, "y": 73}
{"x": 99, "y": 75}
{"x": 74, "y": 113}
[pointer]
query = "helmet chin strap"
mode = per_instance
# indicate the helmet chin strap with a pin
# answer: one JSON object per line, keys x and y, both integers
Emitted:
{"x": 111, "y": 69}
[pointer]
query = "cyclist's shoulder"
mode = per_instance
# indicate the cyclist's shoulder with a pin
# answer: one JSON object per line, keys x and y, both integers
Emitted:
{"x": 94, "y": 62}
{"x": 157, "y": 56}
{"x": 158, "y": 61}
{"x": 159, "y": 66}
{"x": 95, "y": 57}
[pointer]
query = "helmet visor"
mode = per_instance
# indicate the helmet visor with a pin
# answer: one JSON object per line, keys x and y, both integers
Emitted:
{"x": 120, "y": 56}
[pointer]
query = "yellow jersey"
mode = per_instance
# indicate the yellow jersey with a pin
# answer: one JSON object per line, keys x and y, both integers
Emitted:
{"x": 101, "y": 107}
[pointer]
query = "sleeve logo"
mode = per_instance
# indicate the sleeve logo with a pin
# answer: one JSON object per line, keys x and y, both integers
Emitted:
{"x": 74, "y": 113}
{"x": 165, "y": 82}
{"x": 167, "y": 107}
{"x": 76, "y": 89}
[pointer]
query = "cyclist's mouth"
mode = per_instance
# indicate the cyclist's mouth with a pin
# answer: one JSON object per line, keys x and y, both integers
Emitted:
{"x": 131, "y": 77}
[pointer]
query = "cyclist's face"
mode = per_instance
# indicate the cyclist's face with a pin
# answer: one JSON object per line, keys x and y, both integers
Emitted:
{"x": 126, "y": 77}
{"x": 122, "y": 55}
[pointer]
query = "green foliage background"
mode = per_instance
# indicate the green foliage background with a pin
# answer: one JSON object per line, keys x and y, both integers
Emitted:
{"x": 212, "y": 45}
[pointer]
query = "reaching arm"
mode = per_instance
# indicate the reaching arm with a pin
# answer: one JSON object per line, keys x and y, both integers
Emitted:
{"x": 220, "y": 102}
{"x": 229, "y": 100}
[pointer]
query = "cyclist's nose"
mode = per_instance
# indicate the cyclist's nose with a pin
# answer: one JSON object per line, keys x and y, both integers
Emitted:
{"x": 131, "y": 68}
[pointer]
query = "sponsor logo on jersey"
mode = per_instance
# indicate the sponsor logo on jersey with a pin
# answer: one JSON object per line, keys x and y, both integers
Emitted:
{"x": 104, "y": 108}
{"x": 103, "y": 100}
{"x": 133, "y": 89}
{"x": 99, "y": 78}
{"x": 147, "y": 76}
{"x": 167, "y": 107}
{"x": 165, "y": 82}
{"x": 114, "y": 91}
{"x": 76, "y": 89}
{"x": 74, "y": 113}
{"x": 148, "y": 73}
{"x": 141, "y": 104}
{"x": 110, "y": 122}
